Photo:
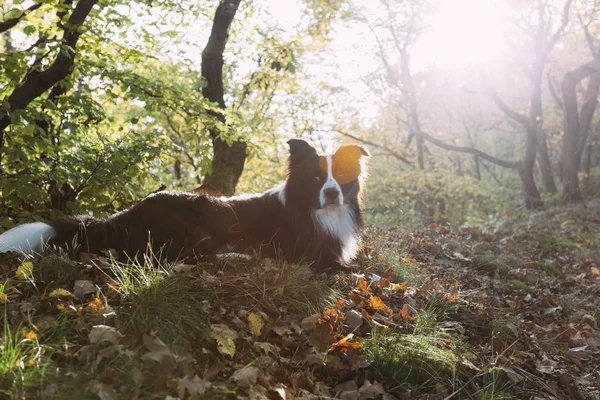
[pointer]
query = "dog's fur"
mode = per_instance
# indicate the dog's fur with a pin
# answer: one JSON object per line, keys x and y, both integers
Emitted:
{"x": 315, "y": 215}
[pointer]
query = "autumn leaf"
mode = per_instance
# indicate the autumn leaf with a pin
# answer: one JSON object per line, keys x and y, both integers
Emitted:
{"x": 404, "y": 313}
{"x": 377, "y": 304}
{"x": 96, "y": 305}
{"x": 362, "y": 284}
{"x": 342, "y": 345}
{"x": 333, "y": 317}
{"x": 60, "y": 293}
{"x": 104, "y": 333}
{"x": 25, "y": 270}
{"x": 29, "y": 335}
{"x": 322, "y": 336}
{"x": 255, "y": 323}
{"x": 396, "y": 287}
{"x": 225, "y": 337}
{"x": 450, "y": 298}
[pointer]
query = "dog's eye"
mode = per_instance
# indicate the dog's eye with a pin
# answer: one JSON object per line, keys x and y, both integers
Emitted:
{"x": 317, "y": 179}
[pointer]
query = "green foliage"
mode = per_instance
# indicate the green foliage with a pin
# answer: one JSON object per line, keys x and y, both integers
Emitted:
{"x": 131, "y": 116}
{"x": 410, "y": 197}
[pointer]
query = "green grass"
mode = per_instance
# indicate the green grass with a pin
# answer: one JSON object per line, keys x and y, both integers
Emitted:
{"x": 154, "y": 299}
{"x": 23, "y": 360}
{"x": 492, "y": 264}
{"x": 281, "y": 288}
{"x": 418, "y": 362}
{"x": 550, "y": 268}
{"x": 55, "y": 270}
{"x": 548, "y": 243}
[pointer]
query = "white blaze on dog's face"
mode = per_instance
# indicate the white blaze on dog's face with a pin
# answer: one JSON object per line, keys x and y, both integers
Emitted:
{"x": 323, "y": 181}
{"x": 341, "y": 170}
{"x": 331, "y": 192}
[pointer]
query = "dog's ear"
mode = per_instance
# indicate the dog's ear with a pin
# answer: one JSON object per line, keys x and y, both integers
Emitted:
{"x": 300, "y": 149}
{"x": 349, "y": 163}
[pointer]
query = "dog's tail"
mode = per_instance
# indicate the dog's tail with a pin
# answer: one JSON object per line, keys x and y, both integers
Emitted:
{"x": 27, "y": 238}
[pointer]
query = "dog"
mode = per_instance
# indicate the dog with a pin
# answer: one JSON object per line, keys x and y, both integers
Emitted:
{"x": 314, "y": 216}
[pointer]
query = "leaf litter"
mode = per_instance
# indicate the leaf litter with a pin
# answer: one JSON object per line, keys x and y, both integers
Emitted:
{"x": 469, "y": 311}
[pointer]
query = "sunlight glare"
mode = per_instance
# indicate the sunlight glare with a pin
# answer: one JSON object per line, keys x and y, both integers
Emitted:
{"x": 464, "y": 33}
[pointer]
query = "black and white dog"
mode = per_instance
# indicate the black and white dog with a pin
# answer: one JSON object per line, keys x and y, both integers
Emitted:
{"x": 315, "y": 215}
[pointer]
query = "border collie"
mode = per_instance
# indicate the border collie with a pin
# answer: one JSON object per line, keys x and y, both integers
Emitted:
{"x": 315, "y": 215}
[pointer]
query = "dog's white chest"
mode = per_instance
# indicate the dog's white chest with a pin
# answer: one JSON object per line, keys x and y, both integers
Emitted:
{"x": 340, "y": 224}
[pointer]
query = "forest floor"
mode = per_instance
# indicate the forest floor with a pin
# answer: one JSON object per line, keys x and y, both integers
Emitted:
{"x": 500, "y": 312}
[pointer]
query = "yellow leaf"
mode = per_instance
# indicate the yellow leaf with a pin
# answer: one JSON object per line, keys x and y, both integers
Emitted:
{"x": 60, "y": 293}
{"x": 225, "y": 339}
{"x": 28, "y": 334}
{"x": 397, "y": 287}
{"x": 3, "y": 297}
{"x": 226, "y": 346}
{"x": 378, "y": 304}
{"x": 595, "y": 271}
{"x": 256, "y": 323}
{"x": 25, "y": 270}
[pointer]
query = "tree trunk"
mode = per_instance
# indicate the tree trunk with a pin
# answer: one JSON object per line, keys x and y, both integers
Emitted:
{"x": 545, "y": 165}
{"x": 530, "y": 190}
{"x": 577, "y": 126}
{"x": 536, "y": 121}
{"x": 228, "y": 160}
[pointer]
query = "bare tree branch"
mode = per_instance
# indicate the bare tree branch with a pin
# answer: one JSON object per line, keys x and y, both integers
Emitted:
{"x": 509, "y": 112}
{"x": 377, "y": 145}
{"x": 554, "y": 93}
{"x": 470, "y": 150}
{"x": 560, "y": 30}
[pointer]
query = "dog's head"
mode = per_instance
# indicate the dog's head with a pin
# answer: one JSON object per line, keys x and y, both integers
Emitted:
{"x": 325, "y": 180}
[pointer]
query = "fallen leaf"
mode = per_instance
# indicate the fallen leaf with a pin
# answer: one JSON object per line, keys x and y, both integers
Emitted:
{"x": 245, "y": 377}
{"x": 104, "y": 333}
{"x": 25, "y": 270}
{"x": 595, "y": 271}
{"x": 309, "y": 323}
{"x": 369, "y": 391}
{"x": 196, "y": 385}
{"x": 30, "y": 335}
{"x": 267, "y": 348}
{"x": 256, "y": 323}
{"x": 83, "y": 288}
{"x": 60, "y": 293}
{"x": 225, "y": 337}
{"x": 342, "y": 345}
{"x": 399, "y": 287}
{"x": 354, "y": 319}
{"x": 157, "y": 350}
{"x": 378, "y": 304}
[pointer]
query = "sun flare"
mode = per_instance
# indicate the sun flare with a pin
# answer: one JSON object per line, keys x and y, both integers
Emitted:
{"x": 464, "y": 33}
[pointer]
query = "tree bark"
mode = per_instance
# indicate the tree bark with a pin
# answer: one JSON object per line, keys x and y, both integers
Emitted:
{"x": 545, "y": 164}
{"x": 577, "y": 126}
{"x": 530, "y": 190}
{"x": 38, "y": 82}
{"x": 228, "y": 160}
{"x": 536, "y": 120}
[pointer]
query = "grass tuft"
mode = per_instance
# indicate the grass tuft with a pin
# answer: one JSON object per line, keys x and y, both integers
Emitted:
{"x": 154, "y": 299}
{"x": 415, "y": 361}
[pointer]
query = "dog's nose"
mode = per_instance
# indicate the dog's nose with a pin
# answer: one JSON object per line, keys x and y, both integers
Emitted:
{"x": 331, "y": 194}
